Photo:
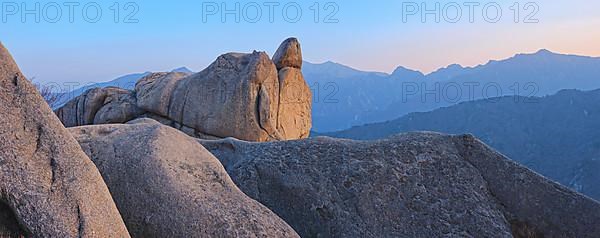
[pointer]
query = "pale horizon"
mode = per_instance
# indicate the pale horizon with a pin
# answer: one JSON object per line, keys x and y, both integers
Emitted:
{"x": 367, "y": 36}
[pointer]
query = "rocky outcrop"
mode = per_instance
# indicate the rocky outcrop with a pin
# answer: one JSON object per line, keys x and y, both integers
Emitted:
{"x": 295, "y": 98}
{"x": 48, "y": 186}
{"x": 167, "y": 185}
{"x": 236, "y": 96}
{"x": 289, "y": 54}
{"x": 100, "y": 106}
{"x": 155, "y": 91}
{"x": 411, "y": 185}
{"x": 239, "y": 95}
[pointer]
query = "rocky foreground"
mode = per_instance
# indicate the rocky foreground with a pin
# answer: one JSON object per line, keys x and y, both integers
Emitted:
{"x": 150, "y": 178}
{"x": 48, "y": 186}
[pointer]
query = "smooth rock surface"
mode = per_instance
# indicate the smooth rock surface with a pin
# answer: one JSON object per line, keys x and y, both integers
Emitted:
{"x": 289, "y": 54}
{"x": 154, "y": 92}
{"x": 239, "y": 95}
{"x": 167, "y": 185}
{"x": 411, "y": 185}
{"x": 48, "y": 186}
{"x": 100, "y": 106}
{"x": 295, "y": 98}
{"x": 236, "y": 96}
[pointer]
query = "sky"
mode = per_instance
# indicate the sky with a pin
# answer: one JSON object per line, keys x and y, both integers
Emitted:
{"x": 79, "y": 45}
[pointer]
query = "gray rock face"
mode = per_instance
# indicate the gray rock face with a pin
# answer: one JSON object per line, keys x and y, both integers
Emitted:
{"x": 289, "y": 54}
{"x": 411, "y": 185}
{"x": 167, "y": 185}
{"x": 100, "y": 106}
{"x": 48, "y": 186}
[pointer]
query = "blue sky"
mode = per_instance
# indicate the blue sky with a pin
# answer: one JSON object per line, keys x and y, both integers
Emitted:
{"x": 368, "y": 35}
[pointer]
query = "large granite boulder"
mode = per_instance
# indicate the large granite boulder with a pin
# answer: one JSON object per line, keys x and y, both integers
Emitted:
{"x": 236, "y": 96}
{"x": 100, "y": 106}
{"x": 167, "y": 185}
{"x": 411, "y": 185}
{"x": 239, "y": 95}
{"x": 48, "y": 186}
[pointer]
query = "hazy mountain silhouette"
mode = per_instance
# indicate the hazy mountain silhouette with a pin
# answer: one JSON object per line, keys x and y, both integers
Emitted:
{"x": 374, "y": 97}
{"x": 557, "y": 136}
{"x": 448, "y": 72}
{"x": 341, "y": 95}
{"x": 182, "y": 70}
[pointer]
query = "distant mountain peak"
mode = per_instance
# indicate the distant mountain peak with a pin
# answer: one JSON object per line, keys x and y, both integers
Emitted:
{"x": 330, "y": 63}
{"x": 406, "y": 73}
{"x": 539, "y": 53}
{"x": 403, "y": 69}
{"x": 447, "y": 72}
{"x": 182, "y": 70}
{"x": 544, "y": 51}
{"x": 455, "y": 66}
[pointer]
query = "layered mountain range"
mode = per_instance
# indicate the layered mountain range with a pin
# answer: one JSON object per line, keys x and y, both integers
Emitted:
{"x": 344, "y": 97}
{"x": 557, "y": 136}
{"x": 348, "y": 97}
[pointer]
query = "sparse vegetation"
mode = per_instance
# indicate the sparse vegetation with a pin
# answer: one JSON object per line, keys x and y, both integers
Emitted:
{"x": 48, "y": 92}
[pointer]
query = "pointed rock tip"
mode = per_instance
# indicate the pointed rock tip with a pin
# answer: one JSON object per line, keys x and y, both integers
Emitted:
{"x": 289, "y": 54}
{"x": 291, "y": 39}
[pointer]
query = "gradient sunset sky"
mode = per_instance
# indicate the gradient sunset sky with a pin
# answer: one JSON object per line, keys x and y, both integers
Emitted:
{"x": 370, "y": 35}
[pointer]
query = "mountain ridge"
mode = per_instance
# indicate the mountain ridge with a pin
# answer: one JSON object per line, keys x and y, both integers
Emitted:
{"x": 381, "y": 98}
{"x": 554, "y": 135}
{"x": 345, "y": 97}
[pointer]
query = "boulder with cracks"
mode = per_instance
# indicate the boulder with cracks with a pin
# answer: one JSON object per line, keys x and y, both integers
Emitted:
{"x": 100, "y": 106}
{"x": 410, "y": 185}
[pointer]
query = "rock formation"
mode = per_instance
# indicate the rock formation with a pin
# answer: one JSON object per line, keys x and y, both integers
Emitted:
{"x": 155, "y": 91}
{"x": 167, "y": 185}
{"x": 48, "y": 186}
{"x": 245, "y": 96}
{"x": 235, "y": 96}
{"x": 100, "y": 106}
{"x": 289, "y": 54}
{"x": 295, "y": 98}
{"x": 411, "y": 185}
